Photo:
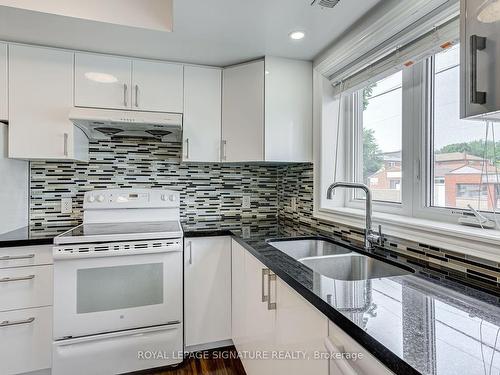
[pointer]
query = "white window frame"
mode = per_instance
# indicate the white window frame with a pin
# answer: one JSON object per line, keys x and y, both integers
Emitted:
{"x": 353, "y": 141}
{"x": 413, "y": 219}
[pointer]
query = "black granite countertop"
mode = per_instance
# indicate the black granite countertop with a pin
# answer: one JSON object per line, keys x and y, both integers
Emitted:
{"x": 26, "y": 236}
{"x": 416, "y": 323}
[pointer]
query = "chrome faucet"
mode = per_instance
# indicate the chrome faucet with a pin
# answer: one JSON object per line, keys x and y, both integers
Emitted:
{"x": 371, "y": 237}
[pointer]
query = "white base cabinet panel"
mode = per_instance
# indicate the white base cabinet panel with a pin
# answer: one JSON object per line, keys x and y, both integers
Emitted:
{"x": 25, "y": 340}
{"x": 270, "y": 318}
{"x": 24, "y": 287}
{"x": 207, "y": 290}
{"x": 300, "y": 328}
{"x": 20, "y": 256}
{"x": 340, "y": 342}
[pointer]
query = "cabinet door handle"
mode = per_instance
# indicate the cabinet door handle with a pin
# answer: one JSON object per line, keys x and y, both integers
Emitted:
{"x": 20, "y": 278}
{"x": 7, "y": 323}
{"x": 65, "y": 144}
{"x": 16, "y": 257}
{"x": 125, "y": 89}
{"x": 190, "y": 252}
{"x": 341, "y": 365}
{"x": 265, "y": 272}
{"x": 223, "y": 151}
{"x": 187, "y": 148}
{"x": 477, "y": 43}
{"x": 137, "y": 95}
{"x": 270, "y": 305}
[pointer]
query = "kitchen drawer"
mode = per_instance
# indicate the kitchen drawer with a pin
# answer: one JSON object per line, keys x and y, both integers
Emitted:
{"x": 25, "y": 287}
{"x": 27, "y": 345}
{"x": 340, "y": 342}
{"x": 25, "y": 256}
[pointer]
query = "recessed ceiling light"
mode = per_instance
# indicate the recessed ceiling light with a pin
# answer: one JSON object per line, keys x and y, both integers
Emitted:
{"x": 297, "y": 35}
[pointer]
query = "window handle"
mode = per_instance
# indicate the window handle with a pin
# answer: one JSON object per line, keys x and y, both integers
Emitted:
{"x": 477, "y": 43}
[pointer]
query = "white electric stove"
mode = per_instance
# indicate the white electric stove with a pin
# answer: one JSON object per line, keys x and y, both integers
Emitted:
{"x": 118, "y": 284}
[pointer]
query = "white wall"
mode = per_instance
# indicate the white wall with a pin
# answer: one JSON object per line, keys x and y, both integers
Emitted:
{"x": 14, "y": 179}
{"x": 148, "y": 14}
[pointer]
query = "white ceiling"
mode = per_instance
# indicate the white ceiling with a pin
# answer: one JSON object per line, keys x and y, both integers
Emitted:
{"x": 213, "y": 32}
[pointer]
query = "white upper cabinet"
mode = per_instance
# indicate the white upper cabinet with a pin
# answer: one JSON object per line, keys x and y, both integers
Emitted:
{"x": 40, "y": 98}
{"x": 157, "y": 86}
{"x": 243, "y": 112}
{"x": 267, "y": 111}
{"x": 119, "y": 83}
{"x": 103, "y": 81}
{"x": 3, "y": 82}
{"x": 202, "y": 114}
{"x": 479, "y": 62}
{"x": 288, "y": 109}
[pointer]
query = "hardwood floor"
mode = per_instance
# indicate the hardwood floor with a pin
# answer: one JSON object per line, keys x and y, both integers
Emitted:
{"x": 221, "y": 361}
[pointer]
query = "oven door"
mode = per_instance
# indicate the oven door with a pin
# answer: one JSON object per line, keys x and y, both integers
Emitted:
{"x": 106, "y": 294}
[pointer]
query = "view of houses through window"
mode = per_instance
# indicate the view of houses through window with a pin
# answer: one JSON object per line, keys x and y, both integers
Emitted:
{"x": 462, "y": 173}
{"x": 382, "y": 137}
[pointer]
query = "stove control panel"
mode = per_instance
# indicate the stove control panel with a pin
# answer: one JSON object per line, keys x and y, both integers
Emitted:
{"x": 130, "y": 198}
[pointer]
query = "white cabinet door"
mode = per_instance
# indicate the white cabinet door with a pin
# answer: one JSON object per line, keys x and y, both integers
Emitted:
{"x": 288, "y": 87}
{"x": 259, "y": 318}
{"x": 243, "y": 112}
{"x": 40, "y": 98}
{"x": 3, "y": 82}
{"x": 300, "y": 327}
{"x": 202, "y": 114}
{"x": 25, "y": 340}
{"x": 340, "y": 342}
{"x": 207, "y": 290}
{"x": 238, "y": 293}
{"x": 103, "y": 81}
{"x": 157, "y": 86}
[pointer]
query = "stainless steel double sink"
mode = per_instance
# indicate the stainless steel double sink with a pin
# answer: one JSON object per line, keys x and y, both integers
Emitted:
{"x": 335, "y": 261}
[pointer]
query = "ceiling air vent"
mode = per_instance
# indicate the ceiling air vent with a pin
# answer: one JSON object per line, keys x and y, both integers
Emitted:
{"x": 325, "y": 3}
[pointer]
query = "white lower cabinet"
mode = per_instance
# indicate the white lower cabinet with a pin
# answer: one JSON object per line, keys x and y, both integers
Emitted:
{"x": 271, "y": 321}
{"x": 300, "y": 329}
{"x": 207, "y": 290}
{"x": 25, "y": 340}
{"x": 26, "y": 294}
{"x": 340, "y": 342}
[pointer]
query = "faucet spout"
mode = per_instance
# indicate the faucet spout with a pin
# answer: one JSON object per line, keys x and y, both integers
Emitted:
{"x": 370, "y": 236}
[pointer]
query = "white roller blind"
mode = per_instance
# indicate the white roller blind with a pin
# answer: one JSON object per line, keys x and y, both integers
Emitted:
{"x": 441, "y": 37}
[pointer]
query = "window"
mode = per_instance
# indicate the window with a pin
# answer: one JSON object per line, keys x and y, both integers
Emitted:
{"x": 378, "y": 138}
{"x": 461, "y": 167}
{"x": 404, "y": 138}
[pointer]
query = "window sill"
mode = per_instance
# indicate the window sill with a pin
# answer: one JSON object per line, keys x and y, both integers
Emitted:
{"x": 482, "y": 243}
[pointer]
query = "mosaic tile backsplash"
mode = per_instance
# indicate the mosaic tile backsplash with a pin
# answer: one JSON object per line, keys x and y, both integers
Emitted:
{"x": 208, "y": 191}
{"x": 215, "y": 191}
{"x": 297, "y": 181}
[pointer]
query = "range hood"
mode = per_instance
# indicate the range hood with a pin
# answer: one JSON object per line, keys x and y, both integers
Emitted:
{"x": 104, "y": 124}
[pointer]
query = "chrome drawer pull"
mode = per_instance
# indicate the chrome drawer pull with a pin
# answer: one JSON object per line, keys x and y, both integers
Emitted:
{"x": 265, "y": 271}
{"x": 20, "y": 278}
{"x": 15, "y": 257}
{"x": 7, "y": 323}
{"x": 270, "y": 305}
